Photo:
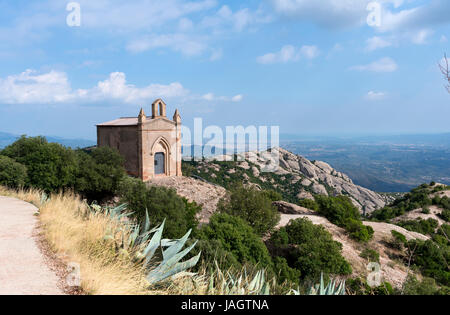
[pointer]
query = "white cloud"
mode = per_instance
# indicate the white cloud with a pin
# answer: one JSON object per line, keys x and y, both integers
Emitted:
{"x": 383, "y": 65}
{"x": 375, "y": 96}
{"x": 138, "y": 15}
{"x": 54, "y": 87}
{"x": 421, "y": 36}
{"x": 31, "y": 87}
{"x": 237, "y": 98}
{"x": 210, "y": 97}
{"x": 443, "y": 39}
{"x": 183, "y": 43}
{"x": 327, "y": 13}
{"x": 337, "y": 14}
{"x": 289, "y": 53}
{"x": 376, "y": 42}
{"x": 225, "y": 19}
{"x": 117, "y": 88}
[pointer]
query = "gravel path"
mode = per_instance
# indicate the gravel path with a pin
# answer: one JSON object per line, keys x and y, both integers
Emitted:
{"x": 23, "y": 270}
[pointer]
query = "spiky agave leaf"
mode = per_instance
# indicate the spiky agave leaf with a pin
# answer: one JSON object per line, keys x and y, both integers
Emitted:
{"x": 154, "y": 243}
{"x": 165, "y": 272}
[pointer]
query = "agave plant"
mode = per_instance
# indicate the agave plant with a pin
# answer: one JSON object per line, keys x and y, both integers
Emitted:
{"x": 144, "y": 248}
{"x": 333, "y": 288}
{"x": 242, "y": 284}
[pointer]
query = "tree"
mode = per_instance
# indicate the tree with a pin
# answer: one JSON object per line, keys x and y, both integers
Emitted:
{"x": 161, "y": 203}
{"x": 445, "y": 71}
{"x": 308, "y": 248}
{"x": 253, "y": 206}
{"x": 99, "y": 172}
{"x": 50, "y": 166}
{"x": 12, "y": 174}
{"x": 238, "y": 238}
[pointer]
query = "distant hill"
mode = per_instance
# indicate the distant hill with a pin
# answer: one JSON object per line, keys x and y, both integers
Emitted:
{"x": 381, "y": 163}
{"x": 8, "y": 138}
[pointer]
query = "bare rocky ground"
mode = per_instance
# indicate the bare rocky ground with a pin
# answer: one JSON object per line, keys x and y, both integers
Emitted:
{"x": 25, "y": 269}
{"x": 204, "y": 194}
{"x": 392, "y": 271}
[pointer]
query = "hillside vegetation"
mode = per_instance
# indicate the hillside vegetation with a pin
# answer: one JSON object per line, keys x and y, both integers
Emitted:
{"x": 242, "y": 231}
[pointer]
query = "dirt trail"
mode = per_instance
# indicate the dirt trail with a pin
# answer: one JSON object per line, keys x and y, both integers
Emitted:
{"x": 23, "y": 268}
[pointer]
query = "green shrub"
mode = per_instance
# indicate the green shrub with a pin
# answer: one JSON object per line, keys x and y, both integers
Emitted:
{"x": 445, "y": 215}
{"x": 309, "y": 204}
{"x": 431, "y": 259}
{"x": 272, "y": 195}
{"x": 236, "y": 237}
{"x": 50, "y": 166}
{"x": 398, "y": 240}
{"x": 425, "y": 287}
{"x": 253, "y": 206}
{"x": 358, "y": 286}
{"x": 214, "y": 253}
{"x": 285, "y": 273}
{"x": 337, "y": 210}
{"x": 341, "y": 211}
{"x": 359, "y": 231}
{"x": 370, "y": 254}
{"x": 309, "y": 249}
{"x": 161, "y": 203}
{"x": 419, "y": 225}
{"x": 12, "y": 174}
{"x": 99, "y": 173}
{"x": 425, "y": 210}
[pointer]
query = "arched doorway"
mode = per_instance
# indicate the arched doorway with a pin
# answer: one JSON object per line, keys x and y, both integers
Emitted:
{"x": 160, "y": 163}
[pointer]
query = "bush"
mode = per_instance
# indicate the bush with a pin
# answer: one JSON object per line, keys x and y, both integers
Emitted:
{"x": 420, "y": 225}
{"x": 99, "y": 173}
{"x": 432, "y": 260}
{"x": 445, "y": 215}
{"x": 253, "y": 206}
{"x": 272, "y": 195}
{"x": 398, "y": 240}
{"x": 309, "y": 204}
{"x": 161, "y": 203}
{"x": 359, "y": 231}
{"x": 309, "y": 249}
{"x": 238, "y": 238}
{"x": 337, "y": 209}
{"x": 284, "y": 272}
{"x": 50, "y": 166}
{"x": 414, "y": 287}
{"x": 341, "y": 211}
{"x": 12, "y": 174}
{"x": 358, "y": 286}
{"x": 213, "y": 252}
{"x": 370, "y": 254}
{"x": 426, "y": 210}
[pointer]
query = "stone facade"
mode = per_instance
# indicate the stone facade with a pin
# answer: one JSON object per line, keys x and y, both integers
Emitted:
{"x": 151, "y": 145}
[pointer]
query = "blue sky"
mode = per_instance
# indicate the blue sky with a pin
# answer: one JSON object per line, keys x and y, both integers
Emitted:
{"x": 311, "y": 67}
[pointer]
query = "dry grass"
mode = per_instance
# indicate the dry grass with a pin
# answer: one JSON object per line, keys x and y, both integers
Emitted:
{"x": 76, "y": 235}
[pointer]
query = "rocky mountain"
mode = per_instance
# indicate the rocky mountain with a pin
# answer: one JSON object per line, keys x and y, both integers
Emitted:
{"x": 296, "y": 177}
